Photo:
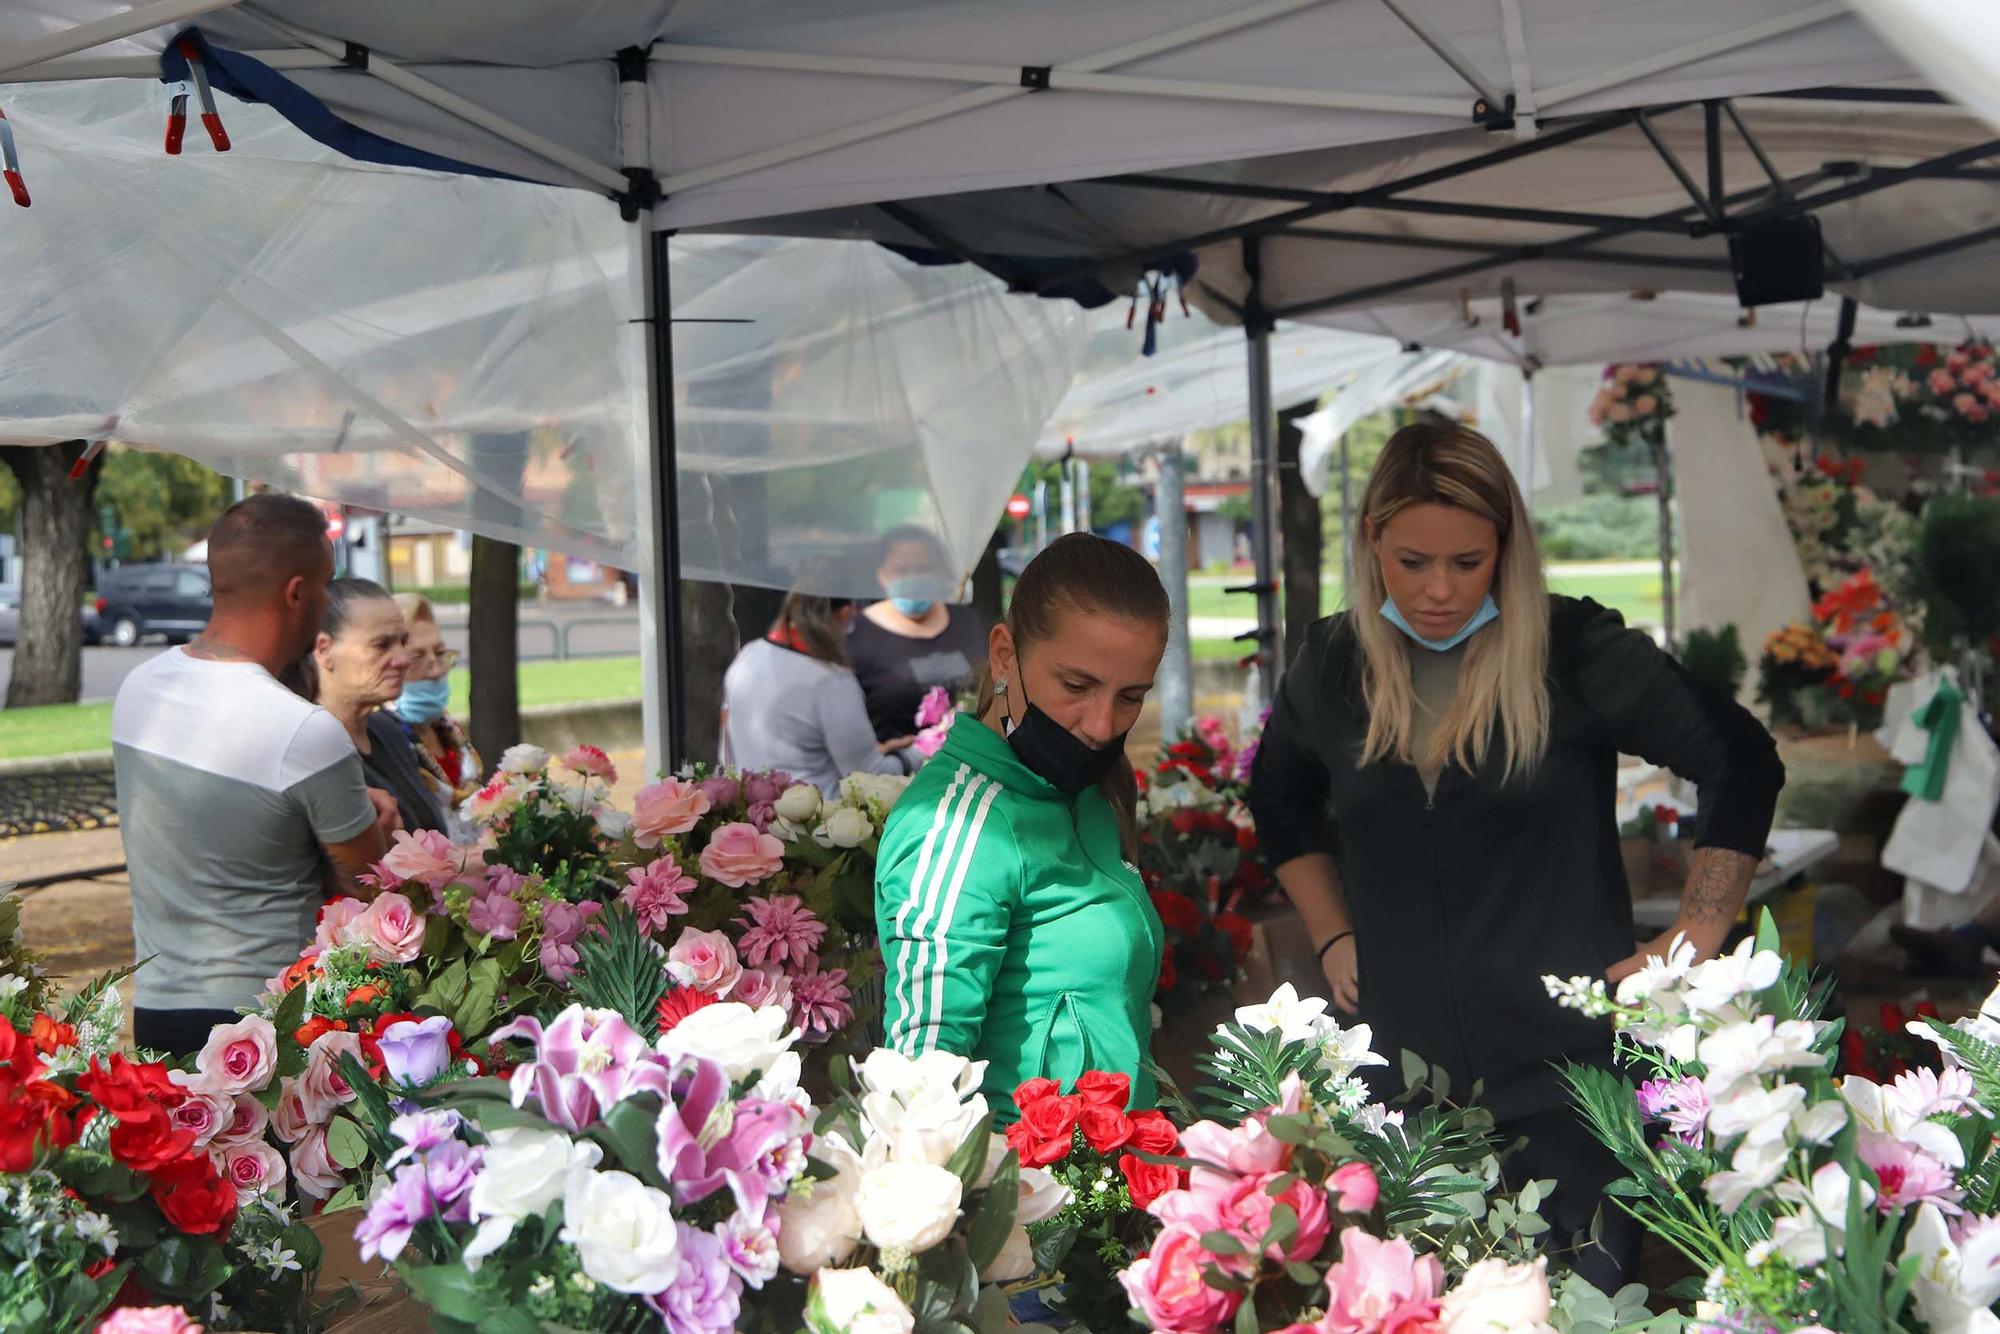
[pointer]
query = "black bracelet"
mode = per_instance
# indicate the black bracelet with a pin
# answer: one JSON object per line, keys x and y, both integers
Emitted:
{"x": 1331, "y": 943}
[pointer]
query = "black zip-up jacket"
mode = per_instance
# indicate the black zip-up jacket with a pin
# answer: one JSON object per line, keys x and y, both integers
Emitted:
{"x": 1461, "y": 901}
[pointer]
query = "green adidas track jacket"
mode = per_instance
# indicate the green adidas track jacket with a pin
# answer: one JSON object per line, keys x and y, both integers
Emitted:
{"x": 1013, "y": 931}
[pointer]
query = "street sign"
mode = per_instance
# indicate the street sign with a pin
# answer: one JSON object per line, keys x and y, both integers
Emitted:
{"x": 1018, "y": 506}
{"x": 336, "y": 519}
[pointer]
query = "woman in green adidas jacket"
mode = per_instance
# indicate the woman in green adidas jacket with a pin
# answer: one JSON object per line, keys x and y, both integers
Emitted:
{"x": 1014, "y": 928}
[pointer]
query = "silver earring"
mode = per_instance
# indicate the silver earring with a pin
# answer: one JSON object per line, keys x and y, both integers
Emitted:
{"x": 1000, "y": 686}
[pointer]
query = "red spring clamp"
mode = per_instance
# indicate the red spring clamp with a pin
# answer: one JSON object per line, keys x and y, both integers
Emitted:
{"x": 211, "y": 120}
{"x": 12, "y": 159}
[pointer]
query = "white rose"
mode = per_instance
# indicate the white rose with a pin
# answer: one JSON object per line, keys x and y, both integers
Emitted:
{"x": 855, "y": 1301}
{"x": 845, "y": 828}
{"x": 613, "y": 823}
{"x": 741, "y": 1040}
{"x": 523, "y": 1173}
{"x": 799, "y": 803}
{"x": 820, "y": 1227}
{"x": 874, "y": 789}
{"x": 886, "y": 1070}
{"x": 927, "y": 1126}
{"x": 908, "y": 1207}
{"x": 1495, "y": 1297}
{"x": 623, "y": 1231}
{"x": 524, "y": 759}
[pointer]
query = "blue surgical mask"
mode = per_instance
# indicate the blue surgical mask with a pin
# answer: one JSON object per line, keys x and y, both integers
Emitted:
{"x": 913, "y": 594}
{"x": 1489, "y": 611}
{"x": 423, "y": 701}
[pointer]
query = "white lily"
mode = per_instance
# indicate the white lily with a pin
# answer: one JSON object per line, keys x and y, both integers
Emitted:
{"x": 1957, "y": 1281}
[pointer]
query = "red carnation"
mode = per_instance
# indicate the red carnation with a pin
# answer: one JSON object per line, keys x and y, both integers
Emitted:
{"x": 1105, "y": 1129}
{"x": 193, "y": 1196}
{"x": 1178, "y": 912}
{"x": 1147, "y": 1181}
{"x": 1237, "y": 927}
{"x": 679, "y": 1003}
{"x": 1033, "y": 1091}
{"x": 1101, "y": 1088}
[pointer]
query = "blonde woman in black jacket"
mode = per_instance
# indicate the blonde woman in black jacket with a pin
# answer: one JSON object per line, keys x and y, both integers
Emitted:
{"x": 1436, "y": 791}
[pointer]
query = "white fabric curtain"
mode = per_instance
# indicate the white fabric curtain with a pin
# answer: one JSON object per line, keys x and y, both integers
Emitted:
{"x": 1953, "y": 43}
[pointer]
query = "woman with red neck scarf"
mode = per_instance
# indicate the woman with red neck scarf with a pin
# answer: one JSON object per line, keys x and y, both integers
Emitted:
{"x": 790, "y": 701}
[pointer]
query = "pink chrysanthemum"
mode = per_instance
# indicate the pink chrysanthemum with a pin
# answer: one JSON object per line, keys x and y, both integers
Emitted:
{"x": 656, "y": 893}
{"x": 820, "y": 999}
{"x": 782, "y": 930}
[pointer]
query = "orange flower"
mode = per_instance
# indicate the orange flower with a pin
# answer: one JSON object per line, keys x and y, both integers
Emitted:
{"x": 50, "y": 1035}
{"x": 366, "y": 994}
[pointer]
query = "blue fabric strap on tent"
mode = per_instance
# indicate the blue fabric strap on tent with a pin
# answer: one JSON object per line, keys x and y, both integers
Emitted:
{"x": 251, "y": 80}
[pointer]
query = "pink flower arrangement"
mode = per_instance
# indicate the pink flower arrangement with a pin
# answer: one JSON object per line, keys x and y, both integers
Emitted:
{"x": 1380, "y": 1286}
{"x": 739, "y": 854}
{"x": 1168, "y": 1286}
{"x": 238, "y": 1057}
{"x": 426, "y": 857}
{"x": 590, "y": 762}
{"x": 667, "y": 809}
{"x": 657, "y": 893}
{"x": 781, "y": 930}
{"x": 391, "y": 927}
{"x": 585, "y": 1061}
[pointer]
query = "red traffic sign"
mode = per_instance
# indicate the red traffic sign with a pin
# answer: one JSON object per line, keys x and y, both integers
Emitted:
{"x": 336, "y": 519}
{"x": 1018, "y": 506}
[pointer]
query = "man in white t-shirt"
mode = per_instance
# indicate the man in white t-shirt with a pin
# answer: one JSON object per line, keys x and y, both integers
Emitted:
{"x": 233, "y": 792}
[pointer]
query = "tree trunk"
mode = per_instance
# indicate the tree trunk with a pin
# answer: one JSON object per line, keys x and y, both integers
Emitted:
{"x": 55, "y": 531}
{"x": 1302, "y": 542}
{"x": 493, "y": 644}
{"x": 987, "y": 602}
{"x": 710, "y": 637}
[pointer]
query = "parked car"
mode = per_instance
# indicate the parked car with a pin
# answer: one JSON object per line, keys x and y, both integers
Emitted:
{"x": 134, "y": 601}
{"x": 10, "y": 619}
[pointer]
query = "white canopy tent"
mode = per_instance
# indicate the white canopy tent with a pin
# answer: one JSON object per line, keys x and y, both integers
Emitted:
{"x": 873, "y": 122}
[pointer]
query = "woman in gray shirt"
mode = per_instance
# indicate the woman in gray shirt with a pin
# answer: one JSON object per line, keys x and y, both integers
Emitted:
{"x": 790, "y": 701}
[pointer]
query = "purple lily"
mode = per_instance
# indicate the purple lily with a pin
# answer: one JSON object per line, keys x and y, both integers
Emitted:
{"x": 697, "y": 1162}
{"x": 585, "y": 1062}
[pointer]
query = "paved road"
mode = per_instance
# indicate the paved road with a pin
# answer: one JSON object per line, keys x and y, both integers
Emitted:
{"x": 594, "y": 629}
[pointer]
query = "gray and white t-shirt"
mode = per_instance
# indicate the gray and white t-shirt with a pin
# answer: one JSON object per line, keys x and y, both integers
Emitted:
{"x": 228, "y": 784}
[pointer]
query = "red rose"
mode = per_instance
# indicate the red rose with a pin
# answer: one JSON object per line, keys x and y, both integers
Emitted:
{"x": 1237, "y": 928}
{"x": 1105, "y": 1129}
{"x": 18, "y": 1053}
{"x": 1246, "y": 838}
{"x": 1153, "y": 1133}
{"x": 1186, "y": 750}
{"x": 1033, "y": 1091}
{"x": 1147, "y": 1181}
{"x": 147, "y": 1141}
{"x": 193, "y": 1196}
{"x": 1183, "y": 822}
{"x": 126, "y": 1086}
{"x": 1178, "y": 912}
{"x": 1051, "y": 1130}
{"x": 1101, "y": 1088}
{"x": 33, "y": 1116}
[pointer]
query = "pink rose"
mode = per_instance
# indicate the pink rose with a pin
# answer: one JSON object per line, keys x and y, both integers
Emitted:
{"x": 759, "y": 987}
{"x": 336, "y": 921}
{"x": 666, "y": 809}
{"x": 238, "y": 1057}
{"x": 322, "y": 1089}
{"x": 148, "y": 1320}
{"x": 254, "y": 1169}
{"x": 1354, "y": 1187}
{"x": 590, "y": 762}
{"x": 738, "y": 855}
{"x": 1241, "y": 1150}
{"x": 1941, "y": 382}
{"x": 315, "y": 1172}
{"x": 289, "y": 1117}
{"x": 1964, "y": 403}
{"x": 1375, "y": 1280}
{"x": 425, "y": 856}
{"x": 706, "y": 961}
{"x": 1242, "y": 1206}
{"x": 248, "y": 1119}
{"x": 1166, "y": 1285}
{"x": 392, "y": 928}
{"x": 201, "y": 1112}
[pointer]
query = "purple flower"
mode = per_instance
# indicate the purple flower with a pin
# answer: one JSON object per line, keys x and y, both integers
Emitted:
{"x": 494, "y": 914}
{"x": 696, "y": 1164}
{"x": 394, "y": 1213}
{"x": 722, "y": 792}
{"x": 585, "y": 1061}
{"x": 656, "y": 894}
{"x": 1681, "y": 1103}
{"x": 422, "y": 1132}
{"x": 781, "y": 1166}
{"x": 751, "y": 1249}
{"x": 707, "y": 1295}
{"x": 416, "y": 1053}
{"x": 782, "y": 930}
{"x": 1653, "y": 1101}
{"x": 558, "y": 960}
{"x": 562, "y": 923}
{"x": 820, "y": 1000}
{"x": 764, "y": 789}
{"x": 449, "y": 1171}
{"x": 760, "y": 814}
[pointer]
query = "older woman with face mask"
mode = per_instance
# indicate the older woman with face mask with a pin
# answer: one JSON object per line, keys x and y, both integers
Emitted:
{"x": 451, "y": 767}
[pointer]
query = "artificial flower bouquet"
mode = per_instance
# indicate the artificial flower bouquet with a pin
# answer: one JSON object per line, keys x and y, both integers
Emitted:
{"x": 1634, "y": 403}
{"x": 1919, "y": 398}
{"x": 934, "y": 716}
{"x": 1809, "y": 1204}
{"x": 126, "y": 1183}
{"x": 552, "y": 819}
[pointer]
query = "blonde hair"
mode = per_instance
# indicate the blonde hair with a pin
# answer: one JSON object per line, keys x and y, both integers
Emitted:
{"x": 1504, "y": 676}
{"x": 415, "y": 607}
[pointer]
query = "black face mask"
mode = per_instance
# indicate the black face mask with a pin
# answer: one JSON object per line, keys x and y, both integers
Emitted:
{"x": 1053, "y": 751}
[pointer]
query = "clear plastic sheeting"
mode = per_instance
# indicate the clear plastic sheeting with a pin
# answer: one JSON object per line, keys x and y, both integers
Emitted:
{"x": 1197, "y": 378}
{"x": 462, "y": 350}
{"x": 865, "y": 393}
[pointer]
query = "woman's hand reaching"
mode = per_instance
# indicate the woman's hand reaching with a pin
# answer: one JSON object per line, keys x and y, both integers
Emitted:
{"x": 1342, "y": 967}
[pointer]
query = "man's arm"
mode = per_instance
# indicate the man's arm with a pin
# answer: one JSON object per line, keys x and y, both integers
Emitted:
{"x": 352, "y": 857}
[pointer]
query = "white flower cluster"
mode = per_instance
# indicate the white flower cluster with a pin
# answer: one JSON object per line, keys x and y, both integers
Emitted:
{"x": 847, "y": 821}
{"x": 1341, "y": 1051}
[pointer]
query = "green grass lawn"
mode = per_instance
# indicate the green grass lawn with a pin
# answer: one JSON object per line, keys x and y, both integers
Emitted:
{"x": 1635, "y": 596}
{"x": 71, "y": 729}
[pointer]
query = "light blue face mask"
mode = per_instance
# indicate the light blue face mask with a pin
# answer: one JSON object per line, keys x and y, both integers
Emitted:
{"x": 913, "y": 595}
{"x": 423, "y": 701}
{"x": 1489, "y": 611}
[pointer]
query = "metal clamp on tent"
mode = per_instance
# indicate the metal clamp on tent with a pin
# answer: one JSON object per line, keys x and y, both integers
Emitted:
{"x": 211, "y": 119}
{"x": 13, "y": 160}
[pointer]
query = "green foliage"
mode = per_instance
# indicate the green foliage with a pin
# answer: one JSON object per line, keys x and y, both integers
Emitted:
{"x": 1958, "y": 562}
{"x": 1715, "y": 658}
{"x": 621, "y": 970}
{"x": 1601, "y": 527}
{"x": 164, "y": 501}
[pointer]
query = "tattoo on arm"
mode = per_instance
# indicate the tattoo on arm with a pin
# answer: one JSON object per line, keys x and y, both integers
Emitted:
{"x": 1718, "y": 882}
